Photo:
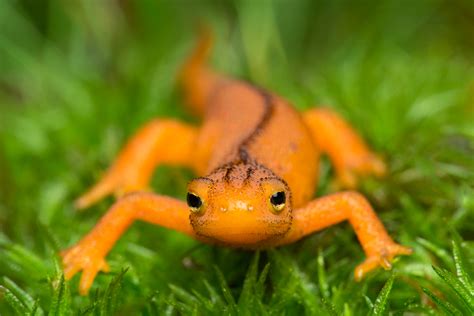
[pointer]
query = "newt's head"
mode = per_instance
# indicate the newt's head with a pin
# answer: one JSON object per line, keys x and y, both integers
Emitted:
{"x": 240, "y": 205}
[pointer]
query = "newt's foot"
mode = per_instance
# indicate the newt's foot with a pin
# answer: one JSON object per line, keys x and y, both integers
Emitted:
{"x": 383, "y": 259}
{"x": 359, "y": 166}
{"x": 85, "y": 258}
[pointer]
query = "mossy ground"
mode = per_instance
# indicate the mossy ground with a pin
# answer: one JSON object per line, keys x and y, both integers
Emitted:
{"x": 78, "y": 77}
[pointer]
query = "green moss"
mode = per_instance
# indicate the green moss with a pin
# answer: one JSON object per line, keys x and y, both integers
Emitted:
{"x": 78, "y": 77}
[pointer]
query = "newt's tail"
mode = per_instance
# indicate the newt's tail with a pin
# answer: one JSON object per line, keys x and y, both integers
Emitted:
{"x": 197, "y": 80}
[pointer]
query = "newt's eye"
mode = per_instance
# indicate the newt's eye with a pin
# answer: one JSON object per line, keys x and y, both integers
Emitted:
{"x": 278, "y": 200}
{"x": 194, "y": 202}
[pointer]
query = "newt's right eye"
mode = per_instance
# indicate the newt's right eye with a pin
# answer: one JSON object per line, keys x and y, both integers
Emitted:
{"x": 194, "y": 202}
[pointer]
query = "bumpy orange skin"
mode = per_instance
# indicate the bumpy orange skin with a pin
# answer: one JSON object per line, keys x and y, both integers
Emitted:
{"x": 250, "y": 145}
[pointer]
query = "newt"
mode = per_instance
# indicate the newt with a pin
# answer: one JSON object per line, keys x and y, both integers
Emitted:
{"x": 257, "y": 159}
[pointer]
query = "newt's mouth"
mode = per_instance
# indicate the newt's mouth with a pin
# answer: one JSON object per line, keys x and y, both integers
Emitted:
{"x": 245, "y": 241}
{"x": 241, "y": 232}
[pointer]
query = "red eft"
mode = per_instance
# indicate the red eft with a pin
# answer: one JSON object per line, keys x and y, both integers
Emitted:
{"x": 258, "y": 160}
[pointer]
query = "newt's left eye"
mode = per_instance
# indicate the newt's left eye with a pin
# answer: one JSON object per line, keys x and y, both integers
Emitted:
{"x": 194, "y": 202}
{"x": 278, "y": 200}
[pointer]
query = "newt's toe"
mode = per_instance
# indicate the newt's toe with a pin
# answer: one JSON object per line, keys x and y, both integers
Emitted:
{"x": 382, "y": 259}
{"x": 86, "y": 259}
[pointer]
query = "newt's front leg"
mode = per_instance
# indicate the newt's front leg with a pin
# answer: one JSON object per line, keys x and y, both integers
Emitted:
{"x": 161, "y": 141}
{"x": 352, "y": 206}
{"x": 89, "y": 254}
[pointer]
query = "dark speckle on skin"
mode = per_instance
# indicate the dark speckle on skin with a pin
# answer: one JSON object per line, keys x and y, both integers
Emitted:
{"x": 250, "y": 171}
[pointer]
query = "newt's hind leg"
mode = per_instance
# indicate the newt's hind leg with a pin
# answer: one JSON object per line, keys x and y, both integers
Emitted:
{"x": 346, "y": 149}
{"x": 379, "y": 248}
{"x": 159, "y": 142}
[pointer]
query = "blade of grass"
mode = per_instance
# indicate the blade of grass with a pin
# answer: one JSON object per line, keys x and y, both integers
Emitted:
{"x": 445, "y": 306}
{"x": 461, "y": 269}
{"x": 225, "y": 289}
{"x": 382, "y": 299}
{"x": 61, "y": 298}
{"x": 457, "y": 286}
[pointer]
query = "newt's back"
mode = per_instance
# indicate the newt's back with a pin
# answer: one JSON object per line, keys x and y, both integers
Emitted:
{"x": 244, "y": 122}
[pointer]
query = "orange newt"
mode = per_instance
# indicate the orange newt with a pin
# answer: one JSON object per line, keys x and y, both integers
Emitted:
{"x": 258, "y": 161}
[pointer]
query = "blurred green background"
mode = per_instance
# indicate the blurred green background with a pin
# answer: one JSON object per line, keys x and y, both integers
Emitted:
{"x": 78, "y": 77}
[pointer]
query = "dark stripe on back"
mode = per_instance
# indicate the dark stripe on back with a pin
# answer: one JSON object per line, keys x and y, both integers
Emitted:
{"x": 267, "y": 114}
{"x": 242, "y": 148}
